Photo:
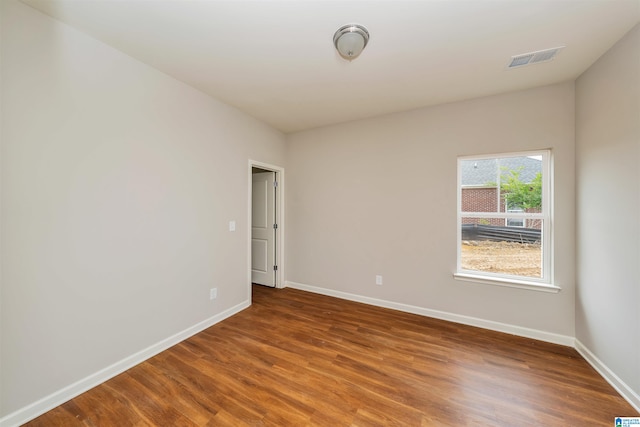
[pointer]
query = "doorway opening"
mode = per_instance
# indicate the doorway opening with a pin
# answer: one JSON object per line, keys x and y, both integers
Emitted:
{"x": 266, "y": 224}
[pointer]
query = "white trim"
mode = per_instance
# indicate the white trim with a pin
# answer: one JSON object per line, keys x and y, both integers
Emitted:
{"x": 478, "y": 186}
{"x": 504, "y": 215}
{"x": 485, "y": 279}
{"x": 63, "y": 395}
{"x": 442, "y": 315}
{"x": 280, "y": 220}
{"x": 485, "y": 156}
{"x": 621, "y": 387}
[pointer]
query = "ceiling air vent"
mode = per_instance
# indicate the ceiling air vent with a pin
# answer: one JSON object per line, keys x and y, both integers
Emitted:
{"x": 534, "y": 57}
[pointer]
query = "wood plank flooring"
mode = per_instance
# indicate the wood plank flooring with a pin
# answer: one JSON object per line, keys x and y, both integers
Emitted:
{"x": 300, "y": 359}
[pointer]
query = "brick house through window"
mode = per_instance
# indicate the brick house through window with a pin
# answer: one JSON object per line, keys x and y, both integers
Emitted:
{"x": 480, "y": 190}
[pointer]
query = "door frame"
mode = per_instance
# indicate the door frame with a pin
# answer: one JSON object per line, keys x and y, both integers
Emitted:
{"x": 279, "y": 283}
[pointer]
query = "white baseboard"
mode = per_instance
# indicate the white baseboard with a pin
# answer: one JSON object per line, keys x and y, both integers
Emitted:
{"x": 442, "y": 315}
{"x": 621, "y": 387}
{"x": 47, "y": 403}
{"x": 61, "y": 396}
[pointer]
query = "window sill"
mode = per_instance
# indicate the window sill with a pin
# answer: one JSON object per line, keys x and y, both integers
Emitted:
{"x": 510, "y": 283}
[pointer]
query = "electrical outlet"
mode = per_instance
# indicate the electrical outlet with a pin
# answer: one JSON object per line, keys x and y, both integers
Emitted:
{"x": 378, "y": 280}
{"x": 213, "y": 293}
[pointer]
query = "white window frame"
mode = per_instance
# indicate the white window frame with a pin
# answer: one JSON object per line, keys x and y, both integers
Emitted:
{"x": 544, "y": 283}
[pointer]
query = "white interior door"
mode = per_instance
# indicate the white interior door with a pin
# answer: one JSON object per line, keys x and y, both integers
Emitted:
{"x": 263, "y": 231}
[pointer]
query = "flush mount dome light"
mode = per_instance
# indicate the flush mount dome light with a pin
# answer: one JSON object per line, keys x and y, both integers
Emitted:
{"x": 350, "y": 40}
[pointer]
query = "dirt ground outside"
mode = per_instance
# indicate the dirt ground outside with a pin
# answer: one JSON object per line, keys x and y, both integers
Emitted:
{"x": 519, "y": 259}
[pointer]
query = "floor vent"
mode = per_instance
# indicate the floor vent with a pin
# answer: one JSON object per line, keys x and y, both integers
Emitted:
{"x": 534, "y": 57}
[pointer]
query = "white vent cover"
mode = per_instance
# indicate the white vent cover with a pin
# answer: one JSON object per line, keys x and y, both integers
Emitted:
{"x": 534, "y": 57}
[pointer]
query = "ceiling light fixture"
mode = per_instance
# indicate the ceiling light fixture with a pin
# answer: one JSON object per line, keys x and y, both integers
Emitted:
{"x": 350, "y": 40}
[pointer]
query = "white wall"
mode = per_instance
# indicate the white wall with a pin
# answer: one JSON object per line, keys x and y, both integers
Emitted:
{"x": 378, "y": 196}
{"x": 118, "y": 183}
{"x": 608, "y": 206}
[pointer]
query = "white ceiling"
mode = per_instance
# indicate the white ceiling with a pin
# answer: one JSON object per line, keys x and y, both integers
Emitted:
{"x": 275, "y": 60}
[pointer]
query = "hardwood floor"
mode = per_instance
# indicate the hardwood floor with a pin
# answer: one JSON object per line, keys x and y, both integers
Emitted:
{"x": 296, "y": 358}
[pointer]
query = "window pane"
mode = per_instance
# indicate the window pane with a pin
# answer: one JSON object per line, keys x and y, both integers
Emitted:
{"x": 489, "y": 246}
{"x": 516, "y": 222}
{"x": 501, "y": 184}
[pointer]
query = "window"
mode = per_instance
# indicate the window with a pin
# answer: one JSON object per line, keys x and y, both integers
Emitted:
{"x": 515, "y": 222}
{"x": 504, "y": 220}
